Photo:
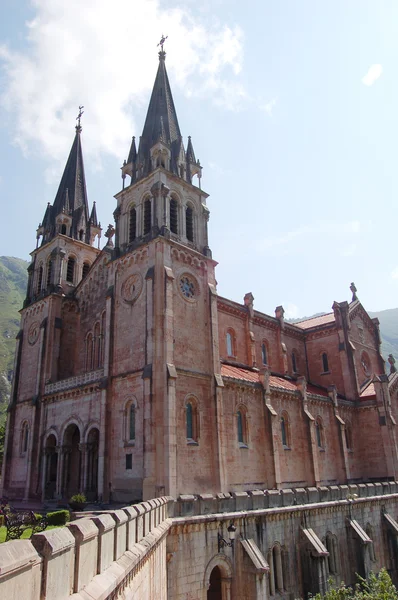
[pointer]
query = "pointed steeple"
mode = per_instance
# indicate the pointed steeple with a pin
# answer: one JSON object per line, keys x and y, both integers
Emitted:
{"x": 93, "y": 216}
{"x": 70, "y": 200}
{"x": 132, "y": 157}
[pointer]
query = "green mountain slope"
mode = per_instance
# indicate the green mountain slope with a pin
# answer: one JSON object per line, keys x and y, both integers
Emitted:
{"x": 13, "y": 281}
{"x": 389, "y": 331}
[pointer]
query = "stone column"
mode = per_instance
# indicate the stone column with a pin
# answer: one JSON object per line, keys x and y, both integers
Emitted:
{"x": 60, "y": 470}
{"x": 84, "y": 454}
{"x": 275, "y": 425}
{"x": 44, "y": 471}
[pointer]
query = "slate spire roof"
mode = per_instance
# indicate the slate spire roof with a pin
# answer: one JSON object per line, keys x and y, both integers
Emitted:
{"x": 161, "y": 125}
{"x": 71, "y": 198}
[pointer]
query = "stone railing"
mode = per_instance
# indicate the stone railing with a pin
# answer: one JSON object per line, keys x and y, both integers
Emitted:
{"x": 72, "y": 382}
{"x": 188, "y": 505}
{"x": 102, "y": 554}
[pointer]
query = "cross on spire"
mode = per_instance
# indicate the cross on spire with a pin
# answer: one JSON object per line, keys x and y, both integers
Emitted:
{"x": 162, "y": 41}
{"x": 79, "y": 116}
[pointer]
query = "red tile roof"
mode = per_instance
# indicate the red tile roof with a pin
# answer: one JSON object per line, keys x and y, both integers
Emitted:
{"x": 243, "y": 374}
{"x": 316, "y": 321}
{"x": 368, "y": 391}
{"x": 239, "y": 373}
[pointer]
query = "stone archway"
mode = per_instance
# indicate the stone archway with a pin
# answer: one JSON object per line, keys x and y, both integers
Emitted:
{"x": 71, "y": 471}
{"x": 218, "y": 578}
{"x": 215, "y": 588}
{"x": 91, "y": 486}
{"x": 50, "y": 467}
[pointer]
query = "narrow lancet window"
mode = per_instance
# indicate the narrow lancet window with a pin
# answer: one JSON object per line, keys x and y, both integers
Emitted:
{"x": 40, "y": 279}
{"x": 86, "y": 268}
{"x": 70, "y": 270}
{"x": 264, "y": 354}
{"x": 147, "y": 216}
{"x": 133, "y": 224}
{"x": 49, "y": 272}
{"x": 189, "y": 417}
{"x": 325, "y": 362}
{"x": 132, "y": 422}
{"x": 189, "y": 223}
{"x": 173, "y": 216}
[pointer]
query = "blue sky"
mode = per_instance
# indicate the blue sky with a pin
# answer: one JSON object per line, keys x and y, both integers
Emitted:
{"x": 291, "y": 106}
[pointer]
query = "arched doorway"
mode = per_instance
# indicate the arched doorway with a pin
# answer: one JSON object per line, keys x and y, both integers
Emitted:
{"x": 215, "y": 589}
{"x": 50, "y": 465}
{"x": 72, "y": 461}
{"x": 92, "y": 465}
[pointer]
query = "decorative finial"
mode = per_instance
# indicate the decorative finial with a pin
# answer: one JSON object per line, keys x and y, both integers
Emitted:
{"x": 354, "y": 292}
{"x": 110, "y": 232}
{"x": 162, "y": 53}
{"x": 79, "y": 116}
{"x": 162, "y": 41}
{"x": 391, "y": 360}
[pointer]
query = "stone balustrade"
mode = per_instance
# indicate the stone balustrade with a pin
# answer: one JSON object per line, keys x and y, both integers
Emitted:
{"x": 96, "y": 556}
{"x": 72, "y": 382}
{"x": 189, "y": 505}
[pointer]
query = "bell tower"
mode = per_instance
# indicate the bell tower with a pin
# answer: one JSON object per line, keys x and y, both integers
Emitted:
{"x": 165, "y": 285}
{"x": 161, "y": 197}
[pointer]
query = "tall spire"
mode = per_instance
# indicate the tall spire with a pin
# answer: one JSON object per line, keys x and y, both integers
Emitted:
{"x": 71, "y": 198}
{"x": 161, "y": 123}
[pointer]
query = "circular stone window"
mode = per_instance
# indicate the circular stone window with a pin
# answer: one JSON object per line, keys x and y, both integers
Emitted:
{"x": 33, "y": 332}
{"x": 132, "y": 288}
{"x": 188, "y": 287}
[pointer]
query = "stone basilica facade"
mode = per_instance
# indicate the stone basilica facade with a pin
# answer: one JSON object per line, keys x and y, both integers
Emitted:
{"x": 135, "y": 380}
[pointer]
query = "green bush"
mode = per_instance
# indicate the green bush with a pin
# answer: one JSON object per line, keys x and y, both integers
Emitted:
{"x": 60, "y": 517}
{"x": 375, "y": 587}
{"x": 78, "y": 498}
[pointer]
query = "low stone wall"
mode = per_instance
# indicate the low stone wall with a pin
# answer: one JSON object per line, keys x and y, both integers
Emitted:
{"x": 203, "y": 504}
{"x": 118, "y": 554}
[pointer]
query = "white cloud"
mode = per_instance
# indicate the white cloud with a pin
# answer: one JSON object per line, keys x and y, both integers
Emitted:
{"x": 103, "y": 54}
{"x": 394, "y": 273}
{"x": 269, "y": 106}
{"x": 372, "y": 75}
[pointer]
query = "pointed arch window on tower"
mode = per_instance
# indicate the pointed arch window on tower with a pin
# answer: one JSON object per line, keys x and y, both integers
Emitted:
{"x": 173, "y": 216}
{"x": 63, "y": 229}
{"x": 40, "y": 279}
{"x": 189, "y": 223}
{"x": 325, "y": 362}
{"x": 132, "y": 423}
{"x": 264, "y": 353}
{"x": 86, "y": 268}
{"x": 81, "y": 235}
{"x": 70, "y": 270}
{"x": 49, "y": 272}
{"x": 147, "y": 216}
{"x": 132, "y": 224}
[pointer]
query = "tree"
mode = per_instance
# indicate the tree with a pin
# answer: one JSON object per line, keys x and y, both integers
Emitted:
{"x": 2, "y": 441}
{"x": 375, "y": 587}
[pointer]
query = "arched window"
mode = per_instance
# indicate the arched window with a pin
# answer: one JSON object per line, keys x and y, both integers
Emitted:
{"x": 332, "y": 559}
{"x": 70, "y": 270}
{"x": 97, "y": 346}
{"x": 325, "y": 363}
{"x": 131, "y": 416}
{"x": 147, "y": 216}
{"x": 40, "y": 279}
{"x": 86, "y": 268}
{"x": 189, "y": 223}
{"x": 285, "y": 430}
{"x": 192, "y": 421}
{"x": 264, "y": 353}
{"x": 173, "y": 216}
{"x": 81, "y": 235}
{"x": 230, "y": 341}
{"x": 132, "y": 224}
{"x": 348, "y": 435}
{"x": 24, "y": 437}
{"x": 49, "y": 272}
{"x": 63, "y": 229}
{"x": 319, "y": 433}
{"x": 241, "y": 423}
{"x": 369, "y": 531}
{"x": 294, "y": 362}
{"x": 276, "y": 571}
{"x": 89, "y": 352}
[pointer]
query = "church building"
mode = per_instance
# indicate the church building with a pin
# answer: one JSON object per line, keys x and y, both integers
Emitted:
{"x": 134, "y": 379}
